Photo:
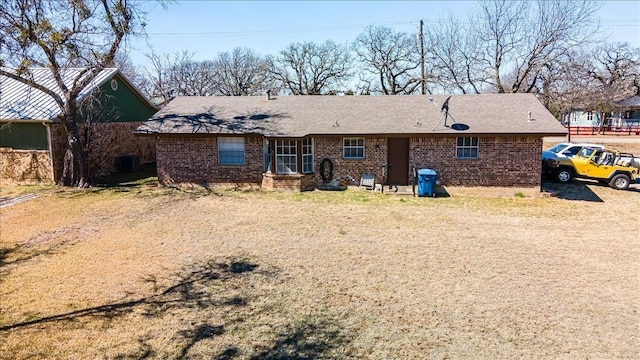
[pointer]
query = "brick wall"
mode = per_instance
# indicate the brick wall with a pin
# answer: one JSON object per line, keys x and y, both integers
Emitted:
{"x": 502, "y": 161}
{"x": 375, "y": 157}
{"x": 296, "y": 182}
{"x": 195, "y": 160}
{"x": 107, "y": 141}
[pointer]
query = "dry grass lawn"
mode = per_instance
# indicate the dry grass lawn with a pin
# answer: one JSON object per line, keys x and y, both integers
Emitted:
{"x": 141, "y": 272}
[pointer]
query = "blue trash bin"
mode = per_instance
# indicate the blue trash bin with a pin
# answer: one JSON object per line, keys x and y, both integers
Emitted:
{"x": 426, "y": 182}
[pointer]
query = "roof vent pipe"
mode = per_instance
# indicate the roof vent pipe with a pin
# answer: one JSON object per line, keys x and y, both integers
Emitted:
{"x": 529, "y": 116}
{"x": 268, "y": 95}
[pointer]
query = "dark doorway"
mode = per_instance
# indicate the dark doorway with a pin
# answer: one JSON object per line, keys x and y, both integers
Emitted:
{"x": 398, "y": 161}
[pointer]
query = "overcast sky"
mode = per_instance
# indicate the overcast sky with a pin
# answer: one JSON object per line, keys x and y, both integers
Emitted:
{"x": 207, "y": 28}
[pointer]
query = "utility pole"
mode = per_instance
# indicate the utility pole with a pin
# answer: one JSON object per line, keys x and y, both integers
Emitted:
{"x": 422, "y": 79}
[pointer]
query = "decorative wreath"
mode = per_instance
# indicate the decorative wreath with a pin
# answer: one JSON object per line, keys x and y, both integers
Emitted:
{"x": 326, "y": 170}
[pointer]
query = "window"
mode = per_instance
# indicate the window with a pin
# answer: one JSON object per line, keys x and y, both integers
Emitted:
{"x": 571, "y": 151}
{"x": 266, "y": 156}
{"x": 586, "y": 152}
{"x": 307, "y": 156}
{"x": 231, "y": 150}
{"x": 556, "y": 148}
{"x": 353, "y": 148}
{"x": 286, "y": 157}
{"x": 589, "y": 116}
{"x": 467, "y": 148}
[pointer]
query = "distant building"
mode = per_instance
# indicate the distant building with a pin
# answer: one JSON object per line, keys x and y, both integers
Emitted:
{"x": 32, "y": 139}
{"x": 625, "y": 114}
{"x": 582, "y": 118}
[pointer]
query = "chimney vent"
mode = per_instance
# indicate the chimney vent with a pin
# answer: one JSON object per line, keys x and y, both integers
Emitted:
{"x": 268, "y": 95}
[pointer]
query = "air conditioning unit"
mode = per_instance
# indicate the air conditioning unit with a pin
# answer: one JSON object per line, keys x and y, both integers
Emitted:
{"x": 128, "y": 163}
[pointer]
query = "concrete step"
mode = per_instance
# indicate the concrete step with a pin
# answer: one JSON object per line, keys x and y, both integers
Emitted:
{"x": 398, "y": 190}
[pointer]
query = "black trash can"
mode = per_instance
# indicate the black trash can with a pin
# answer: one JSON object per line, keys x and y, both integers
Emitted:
{"x": 426, "y": 182}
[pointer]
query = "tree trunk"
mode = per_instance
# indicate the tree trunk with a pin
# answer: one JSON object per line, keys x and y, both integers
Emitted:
{"x": 75, "y": 167}
{"x": 602, "y": 123}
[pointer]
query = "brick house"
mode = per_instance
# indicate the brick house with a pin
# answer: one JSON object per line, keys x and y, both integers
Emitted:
{"x": 302, "y": 142}
{"x": 32, "y": 138}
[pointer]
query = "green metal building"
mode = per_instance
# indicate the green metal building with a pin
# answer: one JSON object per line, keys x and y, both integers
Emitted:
{"x": 29, "y": 120}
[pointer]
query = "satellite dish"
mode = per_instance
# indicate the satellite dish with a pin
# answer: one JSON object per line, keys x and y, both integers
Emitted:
{"x": 445, "y": 109}
{"x": 445, "y": 106}
{"x": 460, "y": 127}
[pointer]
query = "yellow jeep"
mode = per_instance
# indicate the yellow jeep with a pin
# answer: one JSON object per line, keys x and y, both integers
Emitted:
{"x": 607, "y": 166}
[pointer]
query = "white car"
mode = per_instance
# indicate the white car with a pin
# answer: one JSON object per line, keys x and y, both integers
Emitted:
{"x": 566, "y": 150}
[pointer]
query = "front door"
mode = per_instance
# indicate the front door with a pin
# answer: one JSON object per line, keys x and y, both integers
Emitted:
{"x": 398, "y": 161}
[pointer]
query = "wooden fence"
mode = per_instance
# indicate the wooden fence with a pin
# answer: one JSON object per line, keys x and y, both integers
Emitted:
{"x": 631, "y": 130}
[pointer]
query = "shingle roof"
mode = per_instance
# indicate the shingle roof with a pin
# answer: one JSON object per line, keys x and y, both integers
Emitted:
{"x": 297, "y": 116}
{"x": 19, "y": 101}
{"x": 630, "y": 102}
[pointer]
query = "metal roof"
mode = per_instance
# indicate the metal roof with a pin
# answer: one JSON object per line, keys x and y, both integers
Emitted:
{"x": 19, "y": 101}
{"x": 297, "y": 116}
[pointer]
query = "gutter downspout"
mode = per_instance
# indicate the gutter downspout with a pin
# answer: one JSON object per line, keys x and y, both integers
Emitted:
{"x": 50, "y": 148}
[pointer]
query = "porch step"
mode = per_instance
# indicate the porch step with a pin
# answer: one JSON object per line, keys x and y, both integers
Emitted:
{"x": 398, "y": 190}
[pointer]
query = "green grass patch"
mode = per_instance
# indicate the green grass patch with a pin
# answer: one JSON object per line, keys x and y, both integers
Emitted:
{"x": 147, "y": 175}
{"x": 18, "y": 190}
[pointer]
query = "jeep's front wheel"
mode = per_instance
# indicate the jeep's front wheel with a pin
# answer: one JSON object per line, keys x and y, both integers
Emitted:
{"x": 620, "y": 182}
{"x": 564, "y": 175}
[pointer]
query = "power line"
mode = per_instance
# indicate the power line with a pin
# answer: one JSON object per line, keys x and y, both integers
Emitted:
{"x": 439, "y": 21}
{"x": 289, "y": 30}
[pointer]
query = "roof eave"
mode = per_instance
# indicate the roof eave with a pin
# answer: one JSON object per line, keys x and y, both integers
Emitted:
{"x": 49, "y": 121}
{"x": 434, "y": 134}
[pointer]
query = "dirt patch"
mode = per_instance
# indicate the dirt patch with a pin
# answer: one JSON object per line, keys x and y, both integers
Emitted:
{"x": 494, "y": 192}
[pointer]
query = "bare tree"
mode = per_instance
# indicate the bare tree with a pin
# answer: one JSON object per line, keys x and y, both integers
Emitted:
{"x": 615, "y": 68}
{"x": 453, "y": 51}
{"x": 392, "y": 58}
{"x": 193, "y": 78}
{"x": 563, "y": 87}
{"x": 591, "y": 80}
{"x": 614, "y": 74}
{"x": 499, "y": 25}
{"x": 506, "y": 46}
{"x": 311, "y": 69}
{"x": 159, "y": 75}
{"x": 56, "y": 35}
{"x": 133, "y": 73}
{"x": 519, "y": 38}
{"x": 241, "y": 72}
